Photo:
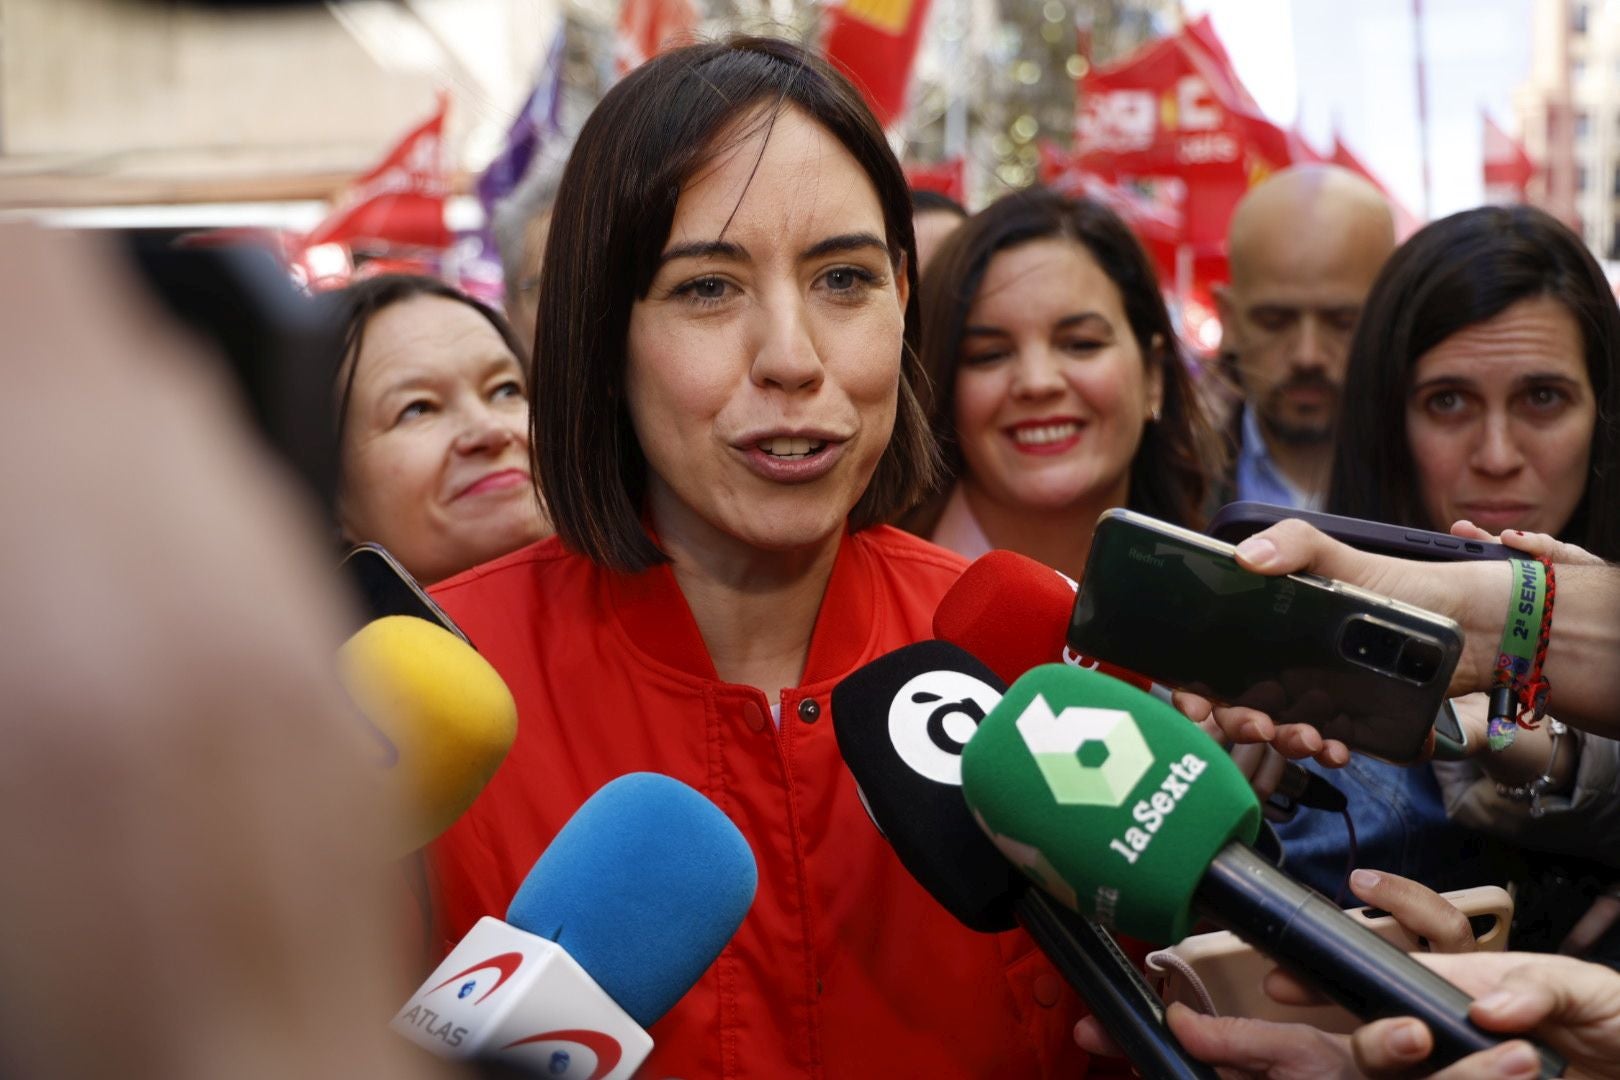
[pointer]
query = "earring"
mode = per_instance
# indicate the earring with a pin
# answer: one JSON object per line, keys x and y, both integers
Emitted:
{"x": 1153, "y": 415}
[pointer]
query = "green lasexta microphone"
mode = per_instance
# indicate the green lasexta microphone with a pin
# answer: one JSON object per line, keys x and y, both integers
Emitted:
{"x": 1124, "y": 810}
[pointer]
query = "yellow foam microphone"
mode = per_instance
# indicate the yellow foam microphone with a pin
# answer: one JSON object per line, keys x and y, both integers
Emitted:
{"x": 444, "y": 719}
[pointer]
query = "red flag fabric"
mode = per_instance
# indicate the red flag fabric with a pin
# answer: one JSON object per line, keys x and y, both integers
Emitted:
{"x": 1508, "y": 169}
{"x": 648, "y": 27}
{"x": 945, "y": 177}
{"x": 874, "y": 42}
{"x": 1177, "y": 110}
{"x": 401, "y": 201}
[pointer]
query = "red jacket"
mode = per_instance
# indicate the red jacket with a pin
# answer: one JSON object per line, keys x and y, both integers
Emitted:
{"x": 844, "y": 966}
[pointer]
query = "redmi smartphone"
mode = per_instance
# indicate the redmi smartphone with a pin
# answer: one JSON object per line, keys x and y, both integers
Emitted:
{"x": 1230, "y": 973}
{"x": 1174, "y": 605}
{"x": 1236, "y": 522}
{"x": 385, "y": 588}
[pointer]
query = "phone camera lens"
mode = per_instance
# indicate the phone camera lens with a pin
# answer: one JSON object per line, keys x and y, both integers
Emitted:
{"x": 1420, "y": 661}
{"x": 1368, "y": 643}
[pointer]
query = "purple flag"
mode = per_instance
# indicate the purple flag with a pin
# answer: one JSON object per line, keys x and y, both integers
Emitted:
{"x": 538, "y": 120}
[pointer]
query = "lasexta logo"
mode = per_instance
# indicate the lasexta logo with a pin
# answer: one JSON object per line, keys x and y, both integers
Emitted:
{"x": 932, "y": 718}
{"x": 1088, "y": 756}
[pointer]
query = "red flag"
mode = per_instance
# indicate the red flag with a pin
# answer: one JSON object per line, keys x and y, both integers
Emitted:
{"x": 945, "y": 177}
{"x": 1508, "y": 169}
{"x": 874, "y": 42}
{"x": 1176, "y": 110}
{"x": 401, "y": 201}
{"x": 648, "y": 27}
{"x": 1406, "y": 222}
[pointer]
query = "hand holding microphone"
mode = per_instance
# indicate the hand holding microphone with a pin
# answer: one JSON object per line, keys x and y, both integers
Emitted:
{"x": 1111, "y": 802}
{"x": 624, "y": 911}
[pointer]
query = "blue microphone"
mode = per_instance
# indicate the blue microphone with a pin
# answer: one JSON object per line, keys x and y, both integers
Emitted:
{"x": 643, "y": 887}
{"x": 622, "y": 914}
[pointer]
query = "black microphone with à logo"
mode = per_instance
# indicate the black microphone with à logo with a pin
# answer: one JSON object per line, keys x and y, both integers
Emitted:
{"x": 902, "y": 722}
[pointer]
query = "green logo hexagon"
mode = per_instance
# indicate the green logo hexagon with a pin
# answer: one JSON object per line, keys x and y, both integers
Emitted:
{"x": 1089, "y": 757}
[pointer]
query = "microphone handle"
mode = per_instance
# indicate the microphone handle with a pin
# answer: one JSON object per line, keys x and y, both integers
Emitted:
{"x": 1113, "y": 989}
{"x": 1320, "y": 944}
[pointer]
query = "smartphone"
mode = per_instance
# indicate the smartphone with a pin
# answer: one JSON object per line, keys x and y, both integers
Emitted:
{"x": 1238, "y": 521}
{"x": 1174, "y": 605}
{"x": 385, "y": 588}
{"x": 1230, "y": 972}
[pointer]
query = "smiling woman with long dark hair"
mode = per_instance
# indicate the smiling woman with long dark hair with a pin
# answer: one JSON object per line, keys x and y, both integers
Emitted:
{"x": 1059, "y": 386}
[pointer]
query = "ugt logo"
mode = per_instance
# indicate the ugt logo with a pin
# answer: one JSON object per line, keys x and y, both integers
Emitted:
{"x": 1088, "y": 757}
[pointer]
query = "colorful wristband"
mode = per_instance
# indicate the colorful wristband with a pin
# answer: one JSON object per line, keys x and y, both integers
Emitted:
{"x": 1516, "y": 656}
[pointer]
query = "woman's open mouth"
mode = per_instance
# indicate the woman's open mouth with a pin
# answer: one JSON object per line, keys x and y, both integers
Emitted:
{"x": 792, "y": 459}
{"x": 791, "y": 449}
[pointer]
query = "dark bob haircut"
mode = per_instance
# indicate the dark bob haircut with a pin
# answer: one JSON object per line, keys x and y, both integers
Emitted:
{"x": 357, "y": 303}
{"x": 649, "y": 135}
{"x": 1179, "y": 453}
{"x": 1452, "y": 274}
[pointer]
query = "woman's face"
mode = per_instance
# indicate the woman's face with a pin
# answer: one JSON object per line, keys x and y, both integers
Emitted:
{"x": 436, "y": 448}
{"x": 764, "y": 362}
{"x": 1052, "y": 392}
{"x": 1500, "y": 419}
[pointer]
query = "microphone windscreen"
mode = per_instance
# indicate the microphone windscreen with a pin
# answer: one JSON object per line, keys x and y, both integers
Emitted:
{"x": 901, "y": 723}
{"x": 444, "y": 718}
{"x": 643, "y": 887}
{"x": 1009, "y": 611}
{"x": 1013, "y": 613}
{"x": 1106, "y": 797}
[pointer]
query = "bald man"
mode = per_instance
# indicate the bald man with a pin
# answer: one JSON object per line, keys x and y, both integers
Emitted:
{"x": 1304, "y": 247}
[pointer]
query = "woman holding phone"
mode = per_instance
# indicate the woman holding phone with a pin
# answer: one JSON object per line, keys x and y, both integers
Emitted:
{"x": 1482, "y": 396}
{"x": 726, "y": 407}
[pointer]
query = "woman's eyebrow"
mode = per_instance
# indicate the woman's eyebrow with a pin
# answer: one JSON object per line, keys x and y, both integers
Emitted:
{"x": 1068, "y": 322}
{"x": 705, "y": 249}
{"x": 843, "y": 242}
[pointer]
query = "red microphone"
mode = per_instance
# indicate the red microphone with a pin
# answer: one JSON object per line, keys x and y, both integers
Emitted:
{"x": 1013, "y": 614}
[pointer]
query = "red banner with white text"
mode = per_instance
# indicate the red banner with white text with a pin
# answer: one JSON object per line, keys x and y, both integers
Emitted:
{"x": 1177, "y": 111}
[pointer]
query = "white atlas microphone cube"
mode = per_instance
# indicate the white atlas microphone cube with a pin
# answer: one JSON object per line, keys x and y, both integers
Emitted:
{"x": 504, "y": 994}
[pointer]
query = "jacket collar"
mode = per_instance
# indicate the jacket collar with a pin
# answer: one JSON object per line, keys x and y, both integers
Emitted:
{"x": 655, "y": 618}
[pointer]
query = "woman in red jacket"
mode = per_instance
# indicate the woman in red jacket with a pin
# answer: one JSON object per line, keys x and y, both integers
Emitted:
{"x": 725, "y": 407}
